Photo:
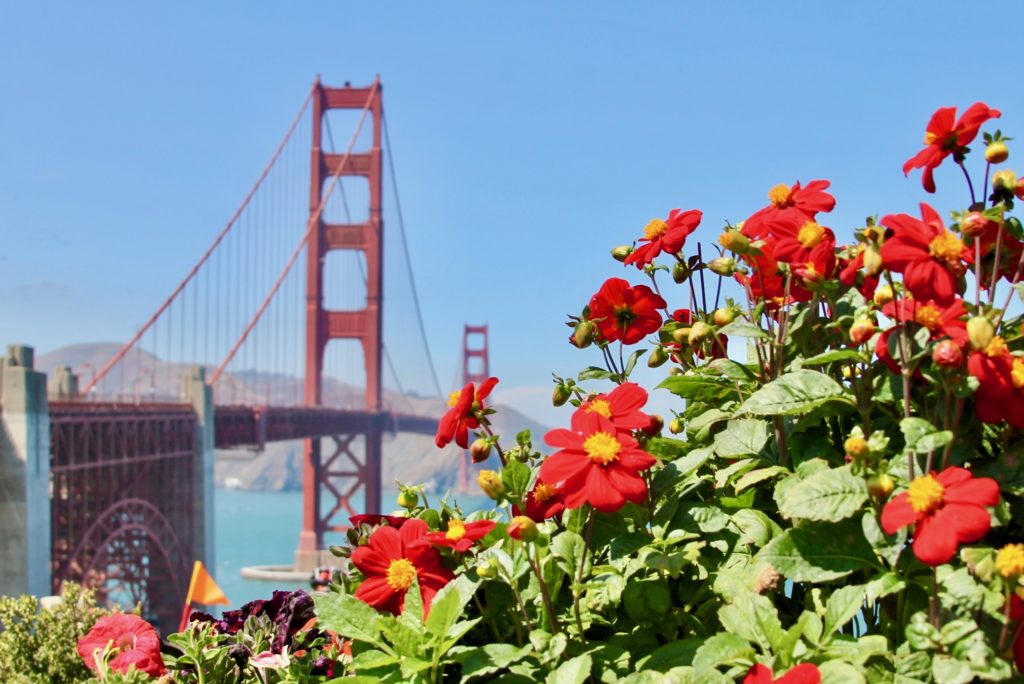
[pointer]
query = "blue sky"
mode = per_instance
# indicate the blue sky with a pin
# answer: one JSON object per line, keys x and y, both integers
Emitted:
{"x": 529, "y": 139}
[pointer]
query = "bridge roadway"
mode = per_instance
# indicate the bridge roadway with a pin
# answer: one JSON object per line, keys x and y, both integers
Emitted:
{"x": 238, "y": 426}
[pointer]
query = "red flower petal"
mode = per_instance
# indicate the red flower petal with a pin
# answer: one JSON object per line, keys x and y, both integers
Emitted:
{"x": 805, "y": 673}
{"x": 935, "y": 539}
{"x": 759, "y": 674}
{"x": 898, "y": 513}
{"x": 969, "y": 523}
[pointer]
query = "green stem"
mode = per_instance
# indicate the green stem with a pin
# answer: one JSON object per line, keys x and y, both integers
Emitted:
{"x": 549, "y": 607}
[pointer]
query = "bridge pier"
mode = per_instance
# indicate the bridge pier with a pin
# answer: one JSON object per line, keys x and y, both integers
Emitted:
{"x": 200, "y": 395}
{"x": 24, "y": 476}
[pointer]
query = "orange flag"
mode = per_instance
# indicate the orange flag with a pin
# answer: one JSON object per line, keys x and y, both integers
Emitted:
{"x": 201, "y": 589}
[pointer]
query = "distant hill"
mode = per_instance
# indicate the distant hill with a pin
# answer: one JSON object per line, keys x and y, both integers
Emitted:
{"x": 408, "y": 458}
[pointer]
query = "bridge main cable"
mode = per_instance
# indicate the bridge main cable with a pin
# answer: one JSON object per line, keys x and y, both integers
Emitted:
{"x": 98, "y": 377}
{"x": 310, "y": 227}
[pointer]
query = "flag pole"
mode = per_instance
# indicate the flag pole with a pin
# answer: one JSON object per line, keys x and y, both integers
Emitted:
{"x": 188, "y": 597}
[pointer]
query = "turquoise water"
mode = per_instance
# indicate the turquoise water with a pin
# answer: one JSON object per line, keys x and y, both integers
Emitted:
{"x": 262, "y": 528}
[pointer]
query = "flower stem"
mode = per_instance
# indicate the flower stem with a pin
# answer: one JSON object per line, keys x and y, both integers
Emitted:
{"x": 549, "y": 608}
{"x": 970, "y": 185}
{"x": 579, "y": 573}
{"x": 497, "y": 447}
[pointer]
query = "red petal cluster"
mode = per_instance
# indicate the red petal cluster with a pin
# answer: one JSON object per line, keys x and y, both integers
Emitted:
{"x": 624, "y": 312}
{"x": 665, "y": 236}
{"x": 805, "y": 673}
{"x": 946, "y": 510}
{"x": 461, "y": 416}
{"x": 943, "y": 137}
{"x": 789, "y": 206}
{"x": 461, "y": 535}
{"x": 598, "y": 462}
{"x": 930, "y": 257}
{"x": 1000, "y": 393}
{"x": 390, "y": 561}
{"x": 133, "y": 640}
{"x": 542, "y": 502}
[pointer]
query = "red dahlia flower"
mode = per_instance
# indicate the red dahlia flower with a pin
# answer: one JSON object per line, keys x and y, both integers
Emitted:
{"x": 542, "y": 502}
{"x": 461, "y": 535}
{"x": 947, "y": 509}
{"x": 373, "y": 519}
{"x": 390, "y": 562}
{"x": 942, "y": 137}
{"x": 1000, "y": 393}
{"x": 461, "y": 417}
{"x": 805, "y": 673}
{"x": 766, "y": 281}
{"x": 930, "y": 257}
{"x": 851, "y": 275}
{"x": 789, "y": 205}
{"x": 596, "y": 464}
{"x": 625, "y": 313}
{"x": 132, "y": 641}
{"x": 621, "y": 406}
{"x": 941, "y": 320}
{"x": 665, "y": 236}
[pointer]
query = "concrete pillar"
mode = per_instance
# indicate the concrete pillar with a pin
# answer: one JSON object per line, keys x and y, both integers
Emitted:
{"x": 200, "y": 395}
{"x": 24, "y": 476}
{"x": 64, "y": 384}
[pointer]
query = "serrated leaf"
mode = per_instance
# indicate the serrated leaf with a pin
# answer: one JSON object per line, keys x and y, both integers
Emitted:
{"x": 757, "y": 528}
{"x": 837, "y": 672}
{"x": 346, "y": 615}
{"x": 828, "y": 495}
{"x": 753, "y": 617}
{"x": 922, "y": 437}
{"x": 448, "y": 605}
{"x": 795, "y": 392}
{"x": 741, "y": 437}
{"x": 720, "y": 648}
{"x": 842, "y": 606}
{"x": 834, "y": 355}
{"x": 947, "y": 670}
{"x": 515, "y": 477}
{"x": 742, "y": 328}
{"x": 819, "y": 551}
{"x": 595, "y": 373}
{"x": 759, "y": 475}
{"x": 573, "y": 671}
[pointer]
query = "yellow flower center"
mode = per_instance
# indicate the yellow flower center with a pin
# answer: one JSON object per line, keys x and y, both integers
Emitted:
{"x": 453, "y": 398}
{"x": 1010, "y": 560}
{"x": 810, "y": 273}
{"x": 601, "y": 407}
{"x": 543, "y": 492}
{"x": 456, "y": 530}
{"x": 925, "y": 494}
{"x": 400, "y": 574}
{"x": 654, "y": 229}
{"x": 602, "y": 448}
{"x": 947, "y": 247}
{"x": 810, "y": 234}
{"x": 930, "y": 138}
{"x": 780, "y": 195}
{"x": 1017, "y": 373}
{"x": 929, "y": 316}
{"x": 997, "y": 347}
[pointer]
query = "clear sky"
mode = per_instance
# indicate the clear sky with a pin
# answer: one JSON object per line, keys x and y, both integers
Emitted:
{"x": 529, "y": 139}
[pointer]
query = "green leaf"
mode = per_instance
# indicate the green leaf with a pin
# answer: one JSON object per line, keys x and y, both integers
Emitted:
{"x": 741, "y": 437}
{"x": 759, "y": 475}
{"x": 371, "y": 660}
{"x": 516, "y": 477}
{"x": 567, "y": 547}
{"x": 348, "y": 616}
{"x": 448, "y": 605}
{"x": 721, "y": 648}
{"x": 489, "y": 659}
{"x": 795, "y": 392}
{"x": 947, "y": 670}
{"x": 631, "y": 362}
{"x": 832, "y": 356}
{"x": 828, "y": 495}
{"x": 691, "y": 385}
{"x": 922, "y": 437}
{"x": 412, "y": 612}
{"x": 819, "y": 551}
{"x": 573, "y": 671}
{"x": 666, "y": 448}
{"x": 838, "y": 672}
{"x": 673, "y": 654}
{"x": 753, "y": 617}
{"x": 757, "y": 528}
{"x": 842, "y": 606}
{"x": 595, "y": 373}
{"x": 742, "y": 328}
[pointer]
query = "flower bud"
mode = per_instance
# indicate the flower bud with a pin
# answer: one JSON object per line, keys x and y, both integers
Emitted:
{"x": 491, "y": 484}
{"x": 980, "y": 332}
{"x": 862, "y": 330}
{"x": 657, "y": 357}
{"x": 560, "y": 395}
{"x": 723, "y": 266}
{"x": 1004, "y": 180}
{"x": 724, "y": 316}
{"x": 1010, "y": 561}
{"x": 734, "y": 241}
{"x": 996, "y": 152}
{"x": 522, "y": 528}
{"x": 974, "y": 223}
{"x": 621, "y": 252}
{"x": 654, "y": 426}
{"x": 857, "y": 448}
{"x": 880, "y": 486}
{"x": 872, "y": 260}
{"x": 699, "y": 332}
{"x": 681, "y": 335}
{"x": 487, "y": 569}
{"x": 479, "y": 450}
{"x": 948, "y": 354}
{"x": 675, "y": 426}
{"x": 408, "y": 498}
{"x": 1019, "y": 190}
{"x": 583, "y": 334}
{"x": 883, "y": 295}
{"x": 680, "y": 272}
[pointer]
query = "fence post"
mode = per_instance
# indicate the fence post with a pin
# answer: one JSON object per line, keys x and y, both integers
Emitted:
{"x": 24, "y": 476}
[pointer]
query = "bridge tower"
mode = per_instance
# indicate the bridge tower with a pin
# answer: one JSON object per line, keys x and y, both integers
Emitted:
{"x": 476, "y": 367}
{"x": 323, "y": 470}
